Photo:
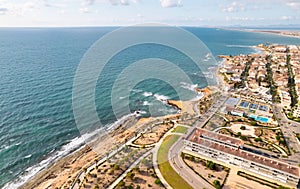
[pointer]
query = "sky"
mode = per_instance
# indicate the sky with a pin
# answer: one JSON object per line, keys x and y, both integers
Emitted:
{"x": 72, "y": 13}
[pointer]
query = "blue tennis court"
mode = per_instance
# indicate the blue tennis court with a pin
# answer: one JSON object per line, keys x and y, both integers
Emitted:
{"x": 244, "y": 104}
{"x": 263, "y": 108}
{"x": 253, "y": 106}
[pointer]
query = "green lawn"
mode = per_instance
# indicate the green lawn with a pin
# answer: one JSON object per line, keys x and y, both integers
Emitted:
{"x": 165, "y": 168}
{"x": 180, "y": 129}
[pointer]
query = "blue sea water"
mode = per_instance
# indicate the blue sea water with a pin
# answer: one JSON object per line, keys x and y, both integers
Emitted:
{"x": 37, "y": 67}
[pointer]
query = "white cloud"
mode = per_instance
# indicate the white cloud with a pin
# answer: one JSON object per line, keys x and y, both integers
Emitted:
{"x": 286, "y": 18}
{"x": 123, "y": 2}
{"x": 3, "y": 11}
{"x": 293, "y": 4}
{"x": 88, "y": 2}
{"x": 170, "y": 3}
{"x": 84, "y": 10}
{"x": 52, "y": 5}
{"x": 234, "y": 7}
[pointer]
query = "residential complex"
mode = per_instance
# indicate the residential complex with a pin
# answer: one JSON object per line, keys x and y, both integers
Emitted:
{"x": 230, "y": 151}
{"x": 272, "y": 76}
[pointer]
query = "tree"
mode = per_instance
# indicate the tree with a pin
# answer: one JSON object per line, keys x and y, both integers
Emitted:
{"x": 243, "y": 127}
{"x": 158, "y": 182}
{"x": 116, "y": 167}
{"x": 258, "y": 139}
{"x": 278, "y": 137}
{"x": 130, "y": 175}
{"x": 254, "y": 123}
{"x": 217, "y": 184}
{"x": 122, "y": 183}
{"x": 211, "y": 165}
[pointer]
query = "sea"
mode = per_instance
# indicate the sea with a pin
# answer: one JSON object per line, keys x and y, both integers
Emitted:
{"x": 37, "y": 69}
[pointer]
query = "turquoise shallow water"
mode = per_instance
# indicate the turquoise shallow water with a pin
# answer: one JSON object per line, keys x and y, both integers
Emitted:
{"x": 37, "y": 67}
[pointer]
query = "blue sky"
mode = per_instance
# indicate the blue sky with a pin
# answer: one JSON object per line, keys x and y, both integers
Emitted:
{"x": 19, "y": 13}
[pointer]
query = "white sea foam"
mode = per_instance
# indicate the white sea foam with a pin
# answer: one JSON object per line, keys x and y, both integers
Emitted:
{"x": 191, "y": 87}
{"x": 161, "y": 98}
{"x": 120, "y": 121}
{"x": 29, "y": 156}
{"x": 137, "y": 90}
{"x": 146, "y": 103}
{"x": 146, "y": 94}
{"x": 142, "y": 112}
{"x": 207, "y": 57}
{"x": 31, "y": 171}
{"x": 239, "y": 46}
{"x": 74, "y": 145}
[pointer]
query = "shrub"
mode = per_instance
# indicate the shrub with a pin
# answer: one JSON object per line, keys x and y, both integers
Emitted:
{"x": 130, "y": 175}
{"x": 258, "y": 139}
{"x": 254, "y": 123}
{"x": 157, "y": 181}
{"x": 116, "y": 167}
{"x": 111, "y": 172}
{"x": 243, "y": 127}
{"x": 122, "y": 183}
{"x": 217, "y": 184}
{"x": 211, "y": 165}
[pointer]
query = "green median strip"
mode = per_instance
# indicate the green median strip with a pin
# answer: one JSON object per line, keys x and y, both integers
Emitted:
{"x": 180, "y": 129}
{"x": 174, "y": 180}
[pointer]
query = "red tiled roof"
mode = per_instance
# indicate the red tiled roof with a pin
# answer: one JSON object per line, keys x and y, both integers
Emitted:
{"x": 196, "y": 138}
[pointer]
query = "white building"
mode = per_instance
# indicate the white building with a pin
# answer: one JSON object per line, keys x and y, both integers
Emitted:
{"x": 230, "y": 151}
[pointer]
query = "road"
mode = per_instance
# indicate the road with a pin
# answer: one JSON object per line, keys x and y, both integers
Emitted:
{"x": 288, "y": 133}
{"x": 183, "y": 170}
{"x": 133, "y": 165}
{"x": 174, "y": 154}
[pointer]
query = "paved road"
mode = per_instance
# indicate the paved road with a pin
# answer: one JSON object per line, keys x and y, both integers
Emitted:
{"x": 174, "y": 154}
{"x": 133, "y": 165}
{"x": 288, "y": 132}
{"x": 183, "y": 170}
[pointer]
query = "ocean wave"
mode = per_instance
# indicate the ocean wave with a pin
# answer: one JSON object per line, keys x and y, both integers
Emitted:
{"x": 72, "y": 146}
{"x": 239, "y": 46}
{"x": 207, "y": 57}
{"x": 28, "y": 156}
{"x": 191, "y": 87}
{"x": 137, "y": 90}
{"x": 122, "y": 97}
{"x": 120, "y": 121}
{"x": 146, "y": 103}
{"x": 53, "y": 156}
{"x": 4, "y": 147}
{"x": 161, "y": 98}
{"x": 146, "y": 94}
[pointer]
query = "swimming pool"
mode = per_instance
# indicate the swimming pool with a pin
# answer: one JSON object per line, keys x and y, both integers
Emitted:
{"x": 262, "y": 119}
{"x": 259, "y": 118}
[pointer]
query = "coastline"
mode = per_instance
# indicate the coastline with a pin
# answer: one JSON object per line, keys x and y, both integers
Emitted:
{"x": 67, "y": 168}
{"x": 279, "y": 32}
{"x": 58, "y": 173}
